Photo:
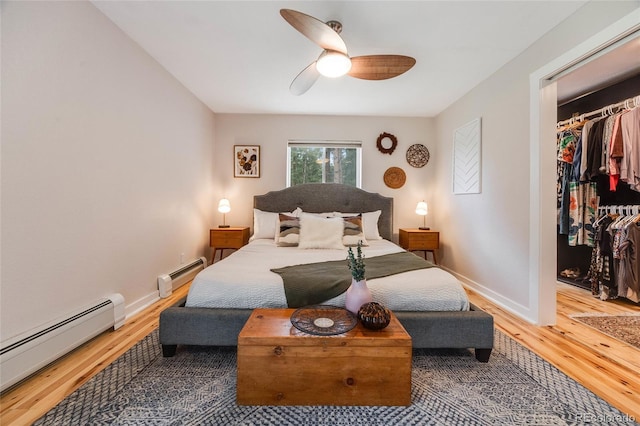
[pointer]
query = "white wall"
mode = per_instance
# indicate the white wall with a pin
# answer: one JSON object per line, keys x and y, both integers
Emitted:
{"x": 486, "y": 236}
{"x": 107, "y": 170}
{"x": 272, "y": 132}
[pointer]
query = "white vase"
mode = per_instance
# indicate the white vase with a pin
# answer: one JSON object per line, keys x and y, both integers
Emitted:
{"x": 357, "y": 295}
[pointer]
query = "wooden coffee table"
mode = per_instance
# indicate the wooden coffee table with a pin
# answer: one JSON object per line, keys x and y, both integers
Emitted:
{"x": 280, "y": 365}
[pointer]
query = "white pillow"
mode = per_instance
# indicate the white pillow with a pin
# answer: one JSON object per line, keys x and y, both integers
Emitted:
{"x": 369, "y": 223}
{"x": 265, "y": 224}
{"x": 320, "y": 233}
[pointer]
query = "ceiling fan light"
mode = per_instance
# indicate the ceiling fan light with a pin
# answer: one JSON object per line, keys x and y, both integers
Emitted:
{"x": 333, "y": 64}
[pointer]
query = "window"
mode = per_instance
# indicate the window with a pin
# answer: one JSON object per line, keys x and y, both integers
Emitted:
{"x": 324, "y": 162}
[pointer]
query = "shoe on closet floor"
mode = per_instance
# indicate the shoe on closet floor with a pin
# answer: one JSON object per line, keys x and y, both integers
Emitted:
{"x": 571, "y": 273}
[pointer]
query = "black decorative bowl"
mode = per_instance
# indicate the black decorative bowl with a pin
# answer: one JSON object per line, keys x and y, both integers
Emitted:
{"x": 374, "y": 316}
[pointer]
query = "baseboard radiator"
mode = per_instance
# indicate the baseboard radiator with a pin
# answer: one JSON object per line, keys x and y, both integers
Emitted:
{"x": 169, "y": 282}
{"x": 25, "y": 354}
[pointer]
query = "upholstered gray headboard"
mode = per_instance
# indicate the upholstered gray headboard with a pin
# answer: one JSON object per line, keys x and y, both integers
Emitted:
{"x": 329, "y": 197}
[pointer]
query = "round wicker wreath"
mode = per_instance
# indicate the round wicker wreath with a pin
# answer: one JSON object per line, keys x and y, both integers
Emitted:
{"x": 417, "y": 155}
{"x": 381, "y": 148}
{"x": 394, "y": 177}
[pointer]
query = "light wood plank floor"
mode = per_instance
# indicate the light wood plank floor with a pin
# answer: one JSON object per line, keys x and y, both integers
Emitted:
{"x": 604, "y": 365}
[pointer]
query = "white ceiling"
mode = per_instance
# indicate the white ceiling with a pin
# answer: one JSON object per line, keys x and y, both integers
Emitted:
{"x": 241, "y": 56}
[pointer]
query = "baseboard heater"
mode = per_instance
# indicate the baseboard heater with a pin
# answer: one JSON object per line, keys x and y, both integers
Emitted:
{"x": 169, "y": 282}
{"x": 25, "y": 354}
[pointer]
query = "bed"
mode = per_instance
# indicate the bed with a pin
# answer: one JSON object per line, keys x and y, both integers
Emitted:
{"x": 209, "y": 316}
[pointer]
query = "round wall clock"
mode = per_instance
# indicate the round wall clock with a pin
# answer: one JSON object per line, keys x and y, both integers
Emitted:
{"x": 418, "y": 155}
{"x": 394, "y": 177}
{"x": 381, "y": 146}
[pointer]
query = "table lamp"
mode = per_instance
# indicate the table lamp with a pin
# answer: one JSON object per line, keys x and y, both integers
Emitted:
{"x": 224, "y": 207}
{"x": 422, "y": 209}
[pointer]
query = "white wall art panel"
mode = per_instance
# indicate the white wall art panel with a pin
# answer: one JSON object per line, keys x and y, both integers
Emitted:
{"x": 467, "y": 158}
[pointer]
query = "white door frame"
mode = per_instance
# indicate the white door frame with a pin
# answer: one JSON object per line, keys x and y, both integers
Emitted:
{"x": 543, "y": 119}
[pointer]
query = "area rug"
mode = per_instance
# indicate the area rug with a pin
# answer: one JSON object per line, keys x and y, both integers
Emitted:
{"x": 621, "y": 327}
{"x": 449, "y": 387}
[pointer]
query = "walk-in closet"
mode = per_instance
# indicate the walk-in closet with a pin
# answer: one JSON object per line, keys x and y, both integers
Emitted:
{"x": 598, "y": 188}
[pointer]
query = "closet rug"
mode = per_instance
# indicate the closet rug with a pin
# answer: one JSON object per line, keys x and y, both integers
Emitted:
{"x": 622, "y": 327}
{"x": 449, "y": 387}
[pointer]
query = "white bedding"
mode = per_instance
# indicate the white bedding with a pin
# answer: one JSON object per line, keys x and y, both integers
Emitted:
{"x": 244, "y": 280}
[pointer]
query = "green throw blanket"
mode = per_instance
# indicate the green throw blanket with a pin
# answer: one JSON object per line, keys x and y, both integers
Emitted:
{"x": 314, "y": 283}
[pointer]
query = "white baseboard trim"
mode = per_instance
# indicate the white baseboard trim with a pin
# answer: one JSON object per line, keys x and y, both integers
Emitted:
{"x": 141, "y": 304}
{"x": 515, "y": 308}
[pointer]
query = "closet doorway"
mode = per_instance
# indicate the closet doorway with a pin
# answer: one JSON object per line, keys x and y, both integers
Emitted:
{"x": 545, "y": 84}
{"x": 595, "y": 110}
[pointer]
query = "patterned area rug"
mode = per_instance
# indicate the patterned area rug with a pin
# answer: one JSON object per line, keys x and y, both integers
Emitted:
{"x": 449, "y": 387}
{"x": 621, "y": 327}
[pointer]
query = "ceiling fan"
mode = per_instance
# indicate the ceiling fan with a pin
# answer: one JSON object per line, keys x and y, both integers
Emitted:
{"x": 334, "y": 60}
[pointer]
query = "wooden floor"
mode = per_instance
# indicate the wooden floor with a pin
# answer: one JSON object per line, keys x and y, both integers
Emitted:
{"x": 606, "y": 366}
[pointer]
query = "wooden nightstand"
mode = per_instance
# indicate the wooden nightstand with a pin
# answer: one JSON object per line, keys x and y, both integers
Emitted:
{"x": 227, "y": 238}
{"x": 420, "y": 240}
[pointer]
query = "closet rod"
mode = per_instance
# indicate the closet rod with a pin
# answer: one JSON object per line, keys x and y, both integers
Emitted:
{"x": 627, "y": 103}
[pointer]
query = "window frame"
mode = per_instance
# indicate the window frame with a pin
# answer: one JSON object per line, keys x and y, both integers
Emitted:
{"x": 326, "y": 144}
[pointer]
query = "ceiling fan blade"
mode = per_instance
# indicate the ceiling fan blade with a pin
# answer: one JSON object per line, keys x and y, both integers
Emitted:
{"x": 315, "y": 30}
{"x": 304, "y": 80}
{"x": 380, "y": 67}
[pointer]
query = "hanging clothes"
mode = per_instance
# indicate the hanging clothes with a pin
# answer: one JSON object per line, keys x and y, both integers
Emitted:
{"x": 577, "y": 200}
{"x": 630, "y": 126}
{"x": 587, "y": 149}
{"x": 593, "y": 156}
{"x": 581, "y": 171}
{"x": 583, "y": 206}
{"x": 630, "y": 286}
{"x": 614, "y": 269}
{"x": 567, "y": 142}
{"x": 616, "y": 153}
{"x": 601, "y": 273}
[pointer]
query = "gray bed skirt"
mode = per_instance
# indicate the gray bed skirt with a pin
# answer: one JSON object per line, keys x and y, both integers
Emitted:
{"x": 180, "y": 325}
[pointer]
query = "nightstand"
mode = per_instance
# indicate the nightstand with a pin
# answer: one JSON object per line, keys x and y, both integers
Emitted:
{"x": 415, "y": 239}
{"x": 227, "y": 238}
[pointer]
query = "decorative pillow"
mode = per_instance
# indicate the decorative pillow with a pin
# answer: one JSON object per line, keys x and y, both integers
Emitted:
{"x": 265, "y": 224}
{"x": 320, "y": 233}
{"x": 369, "y": 223}
{"x": 289, "y": 231}
{"x": 353, "y": 231}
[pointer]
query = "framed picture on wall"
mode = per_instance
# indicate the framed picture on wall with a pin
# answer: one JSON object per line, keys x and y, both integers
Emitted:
{"x": 246, "y": 161}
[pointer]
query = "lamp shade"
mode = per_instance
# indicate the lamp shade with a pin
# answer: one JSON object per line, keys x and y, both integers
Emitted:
{"x": 224, "y": 206}
{"x": 333, "y": 64}
{"x": 422, "y": 209}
